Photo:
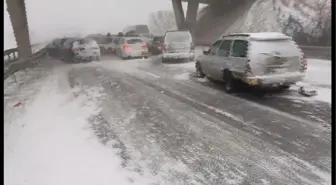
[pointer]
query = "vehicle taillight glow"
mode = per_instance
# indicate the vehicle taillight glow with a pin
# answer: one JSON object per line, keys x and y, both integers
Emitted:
{"x": 165, "y": 47}
{"x": 127, "y": 47}
{"x": 145, "y": 46}
{"x": 304, "y": 64}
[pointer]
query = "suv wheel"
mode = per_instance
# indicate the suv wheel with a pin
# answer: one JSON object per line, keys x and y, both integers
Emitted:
{"x": 199, "y": 70}
{"x": 229, "y": 82}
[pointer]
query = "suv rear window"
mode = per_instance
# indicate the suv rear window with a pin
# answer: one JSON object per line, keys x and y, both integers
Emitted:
{"x": 283, "y": 46}
{"x": 180, "y": 36}
{"x": 134, "y": 41}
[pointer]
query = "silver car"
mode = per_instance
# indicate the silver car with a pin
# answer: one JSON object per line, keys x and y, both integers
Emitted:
{"x": 131, "y": 47}
{"x": 86, "y": 49}
{"x": 257, "y": 59}
{"x": 178, "y": 45}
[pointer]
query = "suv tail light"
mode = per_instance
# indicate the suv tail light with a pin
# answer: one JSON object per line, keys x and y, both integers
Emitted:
{"x": 127, "y": 47}
{"x": 145, "y": 46}
{"x": 303, "y": 64}
{"x": 164, "y": 47}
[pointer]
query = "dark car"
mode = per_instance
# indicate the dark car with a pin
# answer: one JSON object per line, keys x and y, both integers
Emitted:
{"x": 54, "y": 47}
{"x": 155, "y": 47}
{"x": 66, "y": 53}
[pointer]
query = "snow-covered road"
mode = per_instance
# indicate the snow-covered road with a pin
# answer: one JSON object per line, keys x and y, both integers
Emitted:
{"x": 141, "y": 122}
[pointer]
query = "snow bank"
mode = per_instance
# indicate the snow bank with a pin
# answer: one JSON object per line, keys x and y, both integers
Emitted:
{"x": 53, "y": 144}
{"x": 183, "y": 76}
{"x": 187, "y": 65}
{"x": 318, "y": 77}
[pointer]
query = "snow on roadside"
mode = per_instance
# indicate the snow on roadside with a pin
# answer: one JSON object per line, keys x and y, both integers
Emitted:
{"x": 183, "y": 76}
{"x": 318, "y": 77}
{"x": 52, "y": 142}
{"x": 186, "y": 65}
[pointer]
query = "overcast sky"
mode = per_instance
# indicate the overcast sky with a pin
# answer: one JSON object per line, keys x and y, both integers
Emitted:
{"x": 55, "y": 18}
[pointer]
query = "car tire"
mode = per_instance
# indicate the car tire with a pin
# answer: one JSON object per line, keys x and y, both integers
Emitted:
{"x": 229, "y": 82}
{"x": 199, "y": 71}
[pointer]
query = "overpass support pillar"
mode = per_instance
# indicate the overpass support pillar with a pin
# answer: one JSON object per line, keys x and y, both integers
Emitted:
{"x": 18, "y": 17}
{"x": 191, "y": 14}
{"x": 179, "y": 14}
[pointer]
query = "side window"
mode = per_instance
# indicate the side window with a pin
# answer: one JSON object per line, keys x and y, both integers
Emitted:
{"x": 224, "y": 48}
{"x": 239, "y": 48}
{"x": 214, "y": 47}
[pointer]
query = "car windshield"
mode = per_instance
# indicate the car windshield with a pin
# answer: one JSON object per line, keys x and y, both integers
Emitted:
{"x": 178, "y": 36}
{"x": 126, "y": 96}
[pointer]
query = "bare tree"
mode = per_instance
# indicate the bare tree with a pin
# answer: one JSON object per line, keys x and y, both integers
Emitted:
{"x": 318, "y": 31}
{"x": 162, "y": 21}
{"x": 322, "y": 22}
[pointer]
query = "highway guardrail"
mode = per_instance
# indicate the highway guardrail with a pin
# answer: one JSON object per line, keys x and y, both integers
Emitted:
{"x": 12, "y": 62}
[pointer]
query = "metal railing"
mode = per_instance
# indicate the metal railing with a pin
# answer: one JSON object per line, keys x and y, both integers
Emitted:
{"x": 316, "y": 52}
{"x": 13, "y": 64}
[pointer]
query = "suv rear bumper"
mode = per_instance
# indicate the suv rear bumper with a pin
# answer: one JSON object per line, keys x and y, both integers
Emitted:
{"x": 181, "y": 55}
{"x": 275, "y": 79}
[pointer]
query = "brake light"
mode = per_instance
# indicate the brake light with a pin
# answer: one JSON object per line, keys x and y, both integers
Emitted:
{"x": 127, "y": 47}
{"x": 165, "y": 47}
{"x": 192, "y": 46}
{"x": 145, "y": 46}
{"x": 304, "y": 64}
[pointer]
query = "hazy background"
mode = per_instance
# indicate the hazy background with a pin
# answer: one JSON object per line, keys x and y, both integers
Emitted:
{"x": 56, "y": 18}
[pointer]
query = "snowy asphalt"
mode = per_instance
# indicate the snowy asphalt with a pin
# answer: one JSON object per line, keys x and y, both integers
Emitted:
{"x": 189, "y": 131}
{"x": 165, "y": 125}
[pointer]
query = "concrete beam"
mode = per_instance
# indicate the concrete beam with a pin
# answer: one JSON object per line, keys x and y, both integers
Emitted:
{"x": 179, "y": 14}
{"x": 18, "y": 17}
{"x": 191, "y": 14}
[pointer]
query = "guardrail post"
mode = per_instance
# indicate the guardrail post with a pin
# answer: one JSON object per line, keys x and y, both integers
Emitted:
{"x": 18, "y": 17}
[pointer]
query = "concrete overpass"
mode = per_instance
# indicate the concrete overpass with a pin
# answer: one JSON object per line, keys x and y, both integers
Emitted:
{"x": 17, "y": 13}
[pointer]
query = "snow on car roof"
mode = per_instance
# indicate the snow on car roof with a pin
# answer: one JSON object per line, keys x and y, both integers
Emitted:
{"x": 262, "y": 35}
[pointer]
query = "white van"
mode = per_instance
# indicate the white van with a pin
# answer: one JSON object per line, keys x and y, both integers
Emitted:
{"x": 257, "y": 59}
{"x": 178, "y": 45}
